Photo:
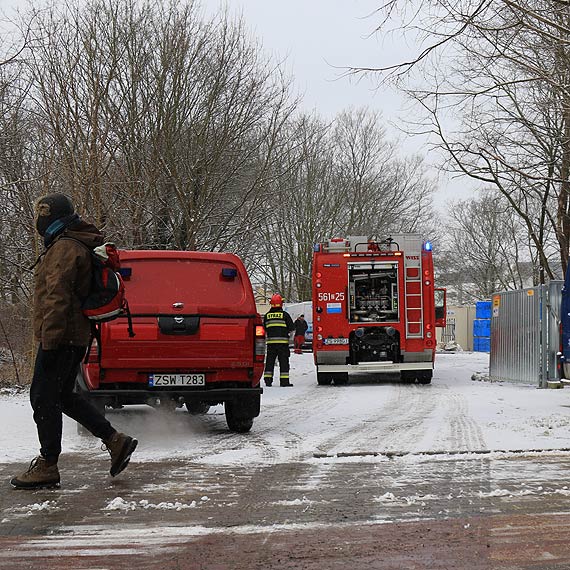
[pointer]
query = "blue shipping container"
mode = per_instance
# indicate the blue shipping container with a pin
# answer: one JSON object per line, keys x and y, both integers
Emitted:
{"x": 482, "y": 344}
{"x": 477, "y": 344}
{"x": 483, "y": 310}
{"x": 482, "y": 327}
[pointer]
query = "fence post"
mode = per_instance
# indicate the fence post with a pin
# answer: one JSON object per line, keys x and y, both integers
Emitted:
{"x": 543, "y": 339}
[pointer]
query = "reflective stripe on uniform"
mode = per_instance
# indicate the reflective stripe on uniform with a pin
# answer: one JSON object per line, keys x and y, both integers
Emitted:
{"x": 277, "y": 341}
{"x": 276, "y": 324}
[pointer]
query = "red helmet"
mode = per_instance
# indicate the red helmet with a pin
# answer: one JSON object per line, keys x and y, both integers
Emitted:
{"x": 276, "y": 300}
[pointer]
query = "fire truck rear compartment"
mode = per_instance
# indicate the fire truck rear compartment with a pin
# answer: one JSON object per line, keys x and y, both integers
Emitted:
{"x": 373, "y": 292}
{"x": 374, "y": 344}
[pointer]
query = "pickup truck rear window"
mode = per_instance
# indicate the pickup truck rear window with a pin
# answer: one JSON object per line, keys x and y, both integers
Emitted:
{"x": 189, "y": 281}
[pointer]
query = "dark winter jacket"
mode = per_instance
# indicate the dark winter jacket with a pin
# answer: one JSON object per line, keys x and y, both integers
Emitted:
{"x": 301, "y": 327}
{"x": 62, "y": 281}
{"x": 278, "y": 324}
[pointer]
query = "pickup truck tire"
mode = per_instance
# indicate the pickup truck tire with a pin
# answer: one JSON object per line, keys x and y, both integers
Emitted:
{"x": 238, "y": 417}
{"x": 197, "y": 408}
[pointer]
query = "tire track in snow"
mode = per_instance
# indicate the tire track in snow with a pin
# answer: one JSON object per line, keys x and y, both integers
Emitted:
{"x": 281, "y": 429}
{"x": 465, "y": 433}
{"x": 395, "y": 424}
{"x": 416, "y": 418}
{"x": 278, "y": 434}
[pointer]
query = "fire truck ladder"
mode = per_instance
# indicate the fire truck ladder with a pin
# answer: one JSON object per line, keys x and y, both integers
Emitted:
{"x": 413, "y": 296}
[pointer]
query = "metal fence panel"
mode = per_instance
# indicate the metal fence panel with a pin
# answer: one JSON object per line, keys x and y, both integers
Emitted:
{"x": 448, "y": 333}
{"x": 515, "y": 336}
{"x": 552, "y": 319}
{"x": 525, "y": 334}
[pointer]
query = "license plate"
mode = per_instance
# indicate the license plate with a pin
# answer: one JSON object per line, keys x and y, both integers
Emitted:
{"x": 335, "y": 341}
{"x": 156, "y": 380}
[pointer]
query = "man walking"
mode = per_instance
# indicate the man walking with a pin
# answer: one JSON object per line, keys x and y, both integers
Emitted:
{"x": 301, "y": 327}
{"x": 62, "y": 281}
{"x": 278, "y": 324}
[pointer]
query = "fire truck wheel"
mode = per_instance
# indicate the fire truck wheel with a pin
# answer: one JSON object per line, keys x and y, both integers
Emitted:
{"x": 341, "y": 379}
{"x": 324, "y": 379}
{"x": 425, "y": 377}
{"x": 407, "y": 377}
{"x": 237, "y": 421}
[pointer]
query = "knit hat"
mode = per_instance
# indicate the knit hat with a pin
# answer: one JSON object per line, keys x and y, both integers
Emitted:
{"x": 50, "y": 208}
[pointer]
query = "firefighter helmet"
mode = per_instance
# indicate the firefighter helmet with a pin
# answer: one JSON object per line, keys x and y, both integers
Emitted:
{"x": 276, "y": 300}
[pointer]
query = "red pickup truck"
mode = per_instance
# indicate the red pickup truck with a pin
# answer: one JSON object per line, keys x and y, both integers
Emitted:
{"x": 198, "y": 342}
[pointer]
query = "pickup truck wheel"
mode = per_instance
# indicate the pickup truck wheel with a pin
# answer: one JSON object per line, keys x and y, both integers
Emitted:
{"x": 236, "y": 419}
{"x": 324, "y": 379}
{"x": 197, "y": 408}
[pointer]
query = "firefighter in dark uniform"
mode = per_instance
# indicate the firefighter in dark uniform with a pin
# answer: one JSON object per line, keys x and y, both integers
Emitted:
{"x": 278, "y": 324}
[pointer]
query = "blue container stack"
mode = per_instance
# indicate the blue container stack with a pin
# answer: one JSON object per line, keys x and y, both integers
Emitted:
{"x": 482, "y": 327}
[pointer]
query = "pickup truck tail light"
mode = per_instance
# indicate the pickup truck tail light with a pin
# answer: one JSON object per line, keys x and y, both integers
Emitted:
{"x": 259, "y": 343}
{"x": 94, "y": 351}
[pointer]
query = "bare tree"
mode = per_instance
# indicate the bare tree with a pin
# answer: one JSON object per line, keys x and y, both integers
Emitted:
{"x": 500, "y": 69}
{"x": 18, "y": 135}
{"x": 17, "y": 178}
{"x": 174, "y": 131}
{"x": 153, "y": 109}
{"x": 163, "y": 126}
{"x": 304, "y": 205}
{"x": 345, "y": 178}
{"x": 382, "y": 192}
{"x": 485, "y": 250}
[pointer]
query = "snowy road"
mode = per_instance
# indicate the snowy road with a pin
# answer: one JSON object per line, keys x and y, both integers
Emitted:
{"x": 372, "y": 475}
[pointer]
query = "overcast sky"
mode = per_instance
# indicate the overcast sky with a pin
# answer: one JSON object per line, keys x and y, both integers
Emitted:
{"x": 318, "y": 39}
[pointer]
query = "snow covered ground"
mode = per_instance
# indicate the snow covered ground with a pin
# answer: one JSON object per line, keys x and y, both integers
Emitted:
{"x": 469, "y": 455}
{"x": 454, "y": 414}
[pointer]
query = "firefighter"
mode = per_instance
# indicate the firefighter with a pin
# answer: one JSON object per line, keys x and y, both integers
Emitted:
{"x": 278, "y": 324}
{"x": 301, "y": 327}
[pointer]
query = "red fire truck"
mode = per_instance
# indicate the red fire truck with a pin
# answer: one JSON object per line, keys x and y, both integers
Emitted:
{"x": 375, "y": 308}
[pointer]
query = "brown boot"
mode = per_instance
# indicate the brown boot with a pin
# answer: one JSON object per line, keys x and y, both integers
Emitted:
{"x": 39, "y": 475}
{"x": 120, "y": 446}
